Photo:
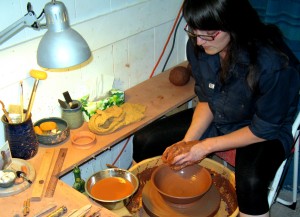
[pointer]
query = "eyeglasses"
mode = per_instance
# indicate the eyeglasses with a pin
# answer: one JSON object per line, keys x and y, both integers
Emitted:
{"x": 203, "y": 37}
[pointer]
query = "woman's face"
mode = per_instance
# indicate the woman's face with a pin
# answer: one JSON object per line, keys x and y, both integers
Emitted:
{"x": 218, "y": 45}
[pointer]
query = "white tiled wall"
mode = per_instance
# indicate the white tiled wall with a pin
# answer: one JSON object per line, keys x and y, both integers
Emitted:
{"x": 126, "y": 38}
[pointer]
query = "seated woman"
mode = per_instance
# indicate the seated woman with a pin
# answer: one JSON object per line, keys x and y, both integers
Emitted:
{"x": 247, "y": 82}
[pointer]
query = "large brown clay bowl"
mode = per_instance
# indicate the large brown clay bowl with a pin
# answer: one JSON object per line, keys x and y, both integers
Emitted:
{"x": 181, "y": 187}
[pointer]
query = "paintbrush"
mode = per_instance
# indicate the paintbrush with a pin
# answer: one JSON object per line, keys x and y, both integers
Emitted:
{"x": 22, "y": 101}
{"x": 15, "y": 113}
{"x": 5, "y": 112}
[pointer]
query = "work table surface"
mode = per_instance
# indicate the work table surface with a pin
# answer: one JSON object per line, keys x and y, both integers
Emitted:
{"x": 160, "y": 97}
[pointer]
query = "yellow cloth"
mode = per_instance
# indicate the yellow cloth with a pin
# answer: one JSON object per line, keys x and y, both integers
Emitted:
{"x": 113, "y": 118}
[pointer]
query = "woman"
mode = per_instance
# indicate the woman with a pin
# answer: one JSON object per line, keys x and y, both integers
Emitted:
{"x": 247, "y": 82}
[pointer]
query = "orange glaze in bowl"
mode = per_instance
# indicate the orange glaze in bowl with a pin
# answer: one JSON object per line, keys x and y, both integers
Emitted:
{"x": 112, "y": 188}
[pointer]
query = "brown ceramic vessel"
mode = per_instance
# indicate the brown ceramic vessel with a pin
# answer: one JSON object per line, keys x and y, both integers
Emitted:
{"x": 181, "y": 187}
{"x": 83, "y": 139}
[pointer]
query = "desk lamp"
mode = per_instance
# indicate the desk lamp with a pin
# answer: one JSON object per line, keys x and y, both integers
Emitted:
{"x": 61, "y": 46}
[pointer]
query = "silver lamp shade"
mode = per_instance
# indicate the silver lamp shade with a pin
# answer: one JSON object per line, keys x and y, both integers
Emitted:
{"x": 61, "y": 46}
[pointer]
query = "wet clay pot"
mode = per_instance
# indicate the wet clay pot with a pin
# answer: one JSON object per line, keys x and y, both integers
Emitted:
{"x": 183, "y": 186}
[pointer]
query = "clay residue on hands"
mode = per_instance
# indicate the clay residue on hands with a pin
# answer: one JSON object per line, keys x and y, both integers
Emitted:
{"x": 176, "y": 150}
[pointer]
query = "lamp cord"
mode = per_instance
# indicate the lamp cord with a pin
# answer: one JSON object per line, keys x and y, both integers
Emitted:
{"x": 175, "y": 27}
{"x": 164, "y": 49}
{"x": 43, "y": 11}
{"x": 173, "y": 44}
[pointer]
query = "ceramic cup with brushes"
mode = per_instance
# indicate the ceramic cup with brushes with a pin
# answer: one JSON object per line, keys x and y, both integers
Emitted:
{"x": 71, "y": 111}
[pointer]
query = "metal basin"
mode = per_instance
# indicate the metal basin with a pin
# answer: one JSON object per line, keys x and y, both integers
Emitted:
{"x": 113, "y": 172}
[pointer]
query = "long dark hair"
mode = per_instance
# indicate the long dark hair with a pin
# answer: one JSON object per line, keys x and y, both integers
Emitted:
{"x": 241, "y": 21}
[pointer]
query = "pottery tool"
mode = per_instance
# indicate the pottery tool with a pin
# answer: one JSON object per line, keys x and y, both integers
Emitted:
{"x": 42, "y": 175}
{"x": 43, "y": 211}
{"x": 81, "y": 212}
{"x": 26, "y": 207}
{"x": 15, "y": 113}
{"x": 37, "y": 75}
{"x": 22, "y": 101}
{"x": 5, "y": 113}
{"x": 63, "y": 104}
{"x": 59, "y": 212}
{"x": 69, "y": 100}
{"x": 55, "y": 173}
{"x": 95, "y": 214}
{"x": 21, "y": 174}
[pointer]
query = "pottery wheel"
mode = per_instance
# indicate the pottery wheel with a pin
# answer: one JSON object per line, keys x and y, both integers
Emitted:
{"x": 17, "y": 188}
{"x": 155, "y": 205}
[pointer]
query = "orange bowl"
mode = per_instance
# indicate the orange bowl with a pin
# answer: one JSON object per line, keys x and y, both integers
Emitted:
{"x": 181, "y": 187}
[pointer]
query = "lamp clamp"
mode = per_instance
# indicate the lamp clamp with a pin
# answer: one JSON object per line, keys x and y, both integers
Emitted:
{"x": 28, "y": 20}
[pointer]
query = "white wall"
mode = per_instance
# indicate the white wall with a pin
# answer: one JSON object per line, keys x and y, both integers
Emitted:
{"x": 126, "y": 38}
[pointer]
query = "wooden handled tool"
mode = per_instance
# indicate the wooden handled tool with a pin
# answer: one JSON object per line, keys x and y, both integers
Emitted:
{"x": 5, "y": 113}
{"x": 37, "y": 75}
{"x": 22, "y": 101}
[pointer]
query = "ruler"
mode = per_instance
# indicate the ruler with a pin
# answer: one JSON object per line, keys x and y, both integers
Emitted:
{"x": 55, "y": 173}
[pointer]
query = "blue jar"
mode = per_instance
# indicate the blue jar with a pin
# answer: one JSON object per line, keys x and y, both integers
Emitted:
{"x": 21, "y": 137}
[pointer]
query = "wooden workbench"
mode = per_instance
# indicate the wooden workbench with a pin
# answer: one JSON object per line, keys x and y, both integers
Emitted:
{"x": 160, "y": 97}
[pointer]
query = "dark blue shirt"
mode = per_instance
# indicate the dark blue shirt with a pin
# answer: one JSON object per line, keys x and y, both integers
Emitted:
{"x": 269, "y": 112}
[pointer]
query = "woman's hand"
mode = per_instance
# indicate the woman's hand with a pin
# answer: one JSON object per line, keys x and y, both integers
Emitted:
{"x": 183, "y": 154}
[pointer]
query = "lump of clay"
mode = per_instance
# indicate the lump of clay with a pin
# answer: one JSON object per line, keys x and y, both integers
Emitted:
{"x": 179, "y": 75}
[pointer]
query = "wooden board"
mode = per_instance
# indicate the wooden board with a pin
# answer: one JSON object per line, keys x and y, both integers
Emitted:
{"x": 17, "y": 188}
{"x": 39, "y": 184}
{"x": 55, "y": 173}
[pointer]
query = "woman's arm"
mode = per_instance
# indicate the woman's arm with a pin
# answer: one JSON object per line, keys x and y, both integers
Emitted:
{"x": 236, "y": 139}
{"x": 239, "y": 138}
{"x": 202, "y": 118}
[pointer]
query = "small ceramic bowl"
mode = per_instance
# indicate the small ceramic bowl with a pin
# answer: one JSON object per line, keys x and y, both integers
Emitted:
{"x": 53, "y": 139}
{"x": 83, "y": 139}
{"x": 7, "y": 178}
{"x": 181, "y": 187}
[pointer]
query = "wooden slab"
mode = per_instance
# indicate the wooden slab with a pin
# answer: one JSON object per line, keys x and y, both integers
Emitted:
{"x": 41, "y": 179}
{"x": 17, "y": 188}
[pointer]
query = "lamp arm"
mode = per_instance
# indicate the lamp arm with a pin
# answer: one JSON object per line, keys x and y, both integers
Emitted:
{"x": 29, "y": 20}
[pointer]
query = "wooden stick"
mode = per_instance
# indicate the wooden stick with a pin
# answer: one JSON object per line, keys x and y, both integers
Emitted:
{"x": 27, "y": 206}
{"x": 22, "y": 101}
{"x": 43, "y": 211}
{"x": 24, "y": 208}
{"x": 5, "y": 113}
{"x": 37, "y": 75}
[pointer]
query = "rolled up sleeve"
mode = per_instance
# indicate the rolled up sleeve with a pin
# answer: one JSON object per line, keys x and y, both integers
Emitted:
{"x": 276, "y": 106}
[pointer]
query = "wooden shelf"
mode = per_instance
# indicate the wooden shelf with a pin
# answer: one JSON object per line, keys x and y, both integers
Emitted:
{"x": 160, "y": 97}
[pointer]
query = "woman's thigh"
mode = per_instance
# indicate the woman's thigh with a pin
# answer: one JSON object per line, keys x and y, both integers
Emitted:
{"x": 256, "y": 165}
